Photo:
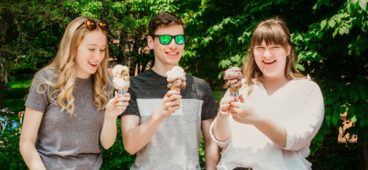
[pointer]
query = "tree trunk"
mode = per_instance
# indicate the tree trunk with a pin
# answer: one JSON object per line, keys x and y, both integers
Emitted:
{"x": 139, "y": 67}
{"x": 144, "y": 65}
{"x": 2, "y": 84}
{"x": 365, "y": 156}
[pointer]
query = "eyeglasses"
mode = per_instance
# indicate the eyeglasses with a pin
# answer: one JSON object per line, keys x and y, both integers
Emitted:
{"x": 273, "y": 49}
{"x": 91, "y": 24}
{"x": 166, "y": 39}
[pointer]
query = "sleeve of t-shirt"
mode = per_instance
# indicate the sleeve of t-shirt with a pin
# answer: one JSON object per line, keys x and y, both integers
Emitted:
{"x": 132, "y": 108}
{"x": 37, "y": 98}
{"x": 209, "y": 108}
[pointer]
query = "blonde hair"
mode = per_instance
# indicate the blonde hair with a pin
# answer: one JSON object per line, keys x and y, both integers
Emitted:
{"x": 272, "y": 31}
{"x": 63, "y": 71}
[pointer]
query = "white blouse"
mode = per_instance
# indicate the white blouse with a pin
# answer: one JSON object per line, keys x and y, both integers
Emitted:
{"x": 298, "y": 106}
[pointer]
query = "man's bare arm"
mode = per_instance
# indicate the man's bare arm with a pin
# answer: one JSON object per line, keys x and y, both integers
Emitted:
{"x": 136, "y": 136}
{"x": 212, "y": 151}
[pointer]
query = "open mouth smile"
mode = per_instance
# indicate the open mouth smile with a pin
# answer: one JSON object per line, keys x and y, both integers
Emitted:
{"x": 93, "y": 64}
{"x": 176, "y": 53}
{"x": 269, "y": 62}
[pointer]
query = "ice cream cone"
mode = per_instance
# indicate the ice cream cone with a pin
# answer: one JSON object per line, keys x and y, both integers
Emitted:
{"x": 234, "y": 92}
{"x": 123, "y": 91}
{"x": 175, "y": 88}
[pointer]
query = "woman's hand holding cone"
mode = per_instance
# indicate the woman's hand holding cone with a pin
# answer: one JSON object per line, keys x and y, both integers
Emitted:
{"x": 225, "y": 107}
{"x": 244, "y": 113}
{"x": 117, "y": 105}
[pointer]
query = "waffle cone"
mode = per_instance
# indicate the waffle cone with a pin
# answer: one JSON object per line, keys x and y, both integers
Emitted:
{"x": 175, "y": 88}
{"x": 125, "y": 88}
{"x": 233, "y": 90}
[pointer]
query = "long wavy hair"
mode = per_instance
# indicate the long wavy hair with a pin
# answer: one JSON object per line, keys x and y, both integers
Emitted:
{"x": 272, "y": 31}
{"x": 62, "y": 69}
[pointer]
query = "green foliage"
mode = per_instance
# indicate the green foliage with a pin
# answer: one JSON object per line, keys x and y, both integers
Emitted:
{"x": 9, "y": 148}
{"x": 30, "y": 32}
{"x": 341, "y": 158}
{"x": 116, "y": 157}
{"x": 330, "y": 38}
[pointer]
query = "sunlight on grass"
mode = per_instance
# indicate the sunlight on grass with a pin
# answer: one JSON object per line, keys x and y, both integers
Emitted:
{"x": 14, "y": 97}
{"x": 23, "y": 81}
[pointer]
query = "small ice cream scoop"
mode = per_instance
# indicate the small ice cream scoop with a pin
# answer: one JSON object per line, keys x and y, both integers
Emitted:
{"x": 176, "y": 78}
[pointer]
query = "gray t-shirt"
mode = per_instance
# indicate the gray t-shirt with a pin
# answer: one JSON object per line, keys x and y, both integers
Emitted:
{"x": 175, "y": 144}
{"x": 68, "y": 141}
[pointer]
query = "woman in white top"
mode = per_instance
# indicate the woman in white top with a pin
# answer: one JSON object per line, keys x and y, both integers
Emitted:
{"x": 280, "y": 110}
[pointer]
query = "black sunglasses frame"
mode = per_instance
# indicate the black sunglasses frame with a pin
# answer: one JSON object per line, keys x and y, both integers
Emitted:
{"x": 172, "y": 37}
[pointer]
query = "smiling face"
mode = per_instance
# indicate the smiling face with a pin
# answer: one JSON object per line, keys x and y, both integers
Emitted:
{"x": 90, "y": 53}
{"x": 167, "y": 55}
{"x": 271, "y": 59}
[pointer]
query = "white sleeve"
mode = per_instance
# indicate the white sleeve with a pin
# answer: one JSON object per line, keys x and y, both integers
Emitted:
{"x": 302, "y": 127}
{"x": 221, "y": 144}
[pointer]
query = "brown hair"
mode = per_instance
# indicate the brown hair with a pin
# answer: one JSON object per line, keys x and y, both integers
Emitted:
{"x": 163, "y": 19}
{"x": 272, "y": 31}
{"x": 63, "y": 80}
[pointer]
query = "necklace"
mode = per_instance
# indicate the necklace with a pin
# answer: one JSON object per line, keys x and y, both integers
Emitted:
{"x": 82, "y": 95}
{"x": 81, "y": 98}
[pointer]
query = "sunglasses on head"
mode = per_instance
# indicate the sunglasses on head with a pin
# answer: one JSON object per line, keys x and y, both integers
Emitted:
{"x": 166, "y": 39}
{"x": 92, "y": 25}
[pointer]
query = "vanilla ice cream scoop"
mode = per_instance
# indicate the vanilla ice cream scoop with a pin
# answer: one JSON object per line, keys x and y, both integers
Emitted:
{"x": 175, "y": 73}
{"x": 120, "y": 84}
{"x": 120, "y": 71}
{"x": 176, "y": 78}
{"x": 121, "y": 79}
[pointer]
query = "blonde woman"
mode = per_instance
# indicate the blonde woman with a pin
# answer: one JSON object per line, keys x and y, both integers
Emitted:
{"x": 280, "y": 110}
{"x": 70, "y": 108}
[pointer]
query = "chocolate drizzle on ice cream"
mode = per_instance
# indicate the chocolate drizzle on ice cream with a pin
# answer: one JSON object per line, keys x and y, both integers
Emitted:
{"x": 121, "y": 78}
{"x": 120, "y": 71}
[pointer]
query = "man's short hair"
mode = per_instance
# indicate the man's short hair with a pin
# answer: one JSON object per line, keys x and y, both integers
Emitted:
{"x": 163, "y": 19}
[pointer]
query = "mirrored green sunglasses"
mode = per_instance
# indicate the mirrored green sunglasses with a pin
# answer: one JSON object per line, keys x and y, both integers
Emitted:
{"x": 166, "y": 39}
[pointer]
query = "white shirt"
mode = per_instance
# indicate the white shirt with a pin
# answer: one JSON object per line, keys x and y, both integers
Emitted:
{"x": 298, "y": 106}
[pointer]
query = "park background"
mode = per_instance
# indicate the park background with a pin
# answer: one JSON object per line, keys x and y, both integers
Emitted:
{"x": 330, "y": 38}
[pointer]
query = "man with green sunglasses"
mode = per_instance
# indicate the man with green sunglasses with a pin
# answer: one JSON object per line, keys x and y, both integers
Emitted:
{"x": 162, "y": 126}
{"x": 166, "y": 39}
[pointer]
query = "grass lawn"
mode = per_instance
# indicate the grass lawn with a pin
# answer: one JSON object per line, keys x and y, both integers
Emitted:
{"x": 218, "y": 95}
{"x": 14, "y": 97}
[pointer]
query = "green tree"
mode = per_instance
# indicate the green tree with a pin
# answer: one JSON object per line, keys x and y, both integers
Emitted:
{"x": 30, "y": 31}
